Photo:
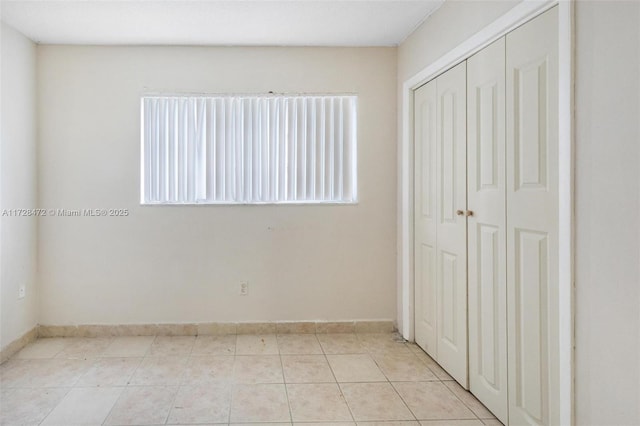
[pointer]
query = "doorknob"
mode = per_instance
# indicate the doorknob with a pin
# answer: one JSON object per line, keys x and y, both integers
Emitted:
{"x": 459, "y": 212}
{"x": 469, "y": 212}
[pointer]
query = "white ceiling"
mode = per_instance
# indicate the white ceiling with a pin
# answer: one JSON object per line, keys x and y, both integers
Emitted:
{"x": 218, "y": 22}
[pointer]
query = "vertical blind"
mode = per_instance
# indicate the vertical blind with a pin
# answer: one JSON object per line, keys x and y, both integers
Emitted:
{"x": 248, "y": 149}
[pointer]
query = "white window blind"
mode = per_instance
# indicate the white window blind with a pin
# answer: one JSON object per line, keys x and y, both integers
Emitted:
{"x": 248, "y": 149}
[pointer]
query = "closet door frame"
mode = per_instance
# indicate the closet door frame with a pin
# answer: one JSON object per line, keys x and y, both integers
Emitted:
{"x": 517, "y": 16}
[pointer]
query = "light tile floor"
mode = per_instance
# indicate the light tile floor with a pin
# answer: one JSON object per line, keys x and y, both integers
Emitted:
{"x": 338, "y": 379}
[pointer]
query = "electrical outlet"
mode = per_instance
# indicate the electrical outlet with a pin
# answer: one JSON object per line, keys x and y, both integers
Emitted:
{"x": 244, "y": 288}
{"x": 22, "y": 291}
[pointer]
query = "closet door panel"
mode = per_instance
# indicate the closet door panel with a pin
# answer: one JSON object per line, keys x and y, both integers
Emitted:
{"x": 532, "y": 231}
{"x": 451, "y": 199}
{"x": 425, "y": 217}
{"x": 487, "y": 228}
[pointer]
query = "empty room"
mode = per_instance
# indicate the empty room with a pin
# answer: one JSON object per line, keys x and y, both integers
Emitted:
{"x": 320, "y": 212}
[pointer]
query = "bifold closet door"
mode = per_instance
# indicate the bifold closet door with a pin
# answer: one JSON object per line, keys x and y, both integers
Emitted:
{"x": 532, "y": 221}
{"x": 425, "y": 216}
{"x": 451, "y": 202}
{"x": 440, "y": 246}
{"x": 487, "y": 228}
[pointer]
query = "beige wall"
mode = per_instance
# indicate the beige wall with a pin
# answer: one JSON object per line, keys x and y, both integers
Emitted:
{"x": 184, "y": 264}
{"x": 607, "y": 218}
{"x": 607, "y": 193}
{"x": 18, "y": 185}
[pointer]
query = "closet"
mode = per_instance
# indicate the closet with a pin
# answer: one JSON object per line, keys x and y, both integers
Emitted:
{"x": 486, "y": 222}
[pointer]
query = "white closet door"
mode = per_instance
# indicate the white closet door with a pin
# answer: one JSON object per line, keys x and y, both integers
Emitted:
{"x": 451, "y": 202}
{"x": 425, "y": 216}
{"x": 487, "y": 228}
{"x": 532, "y": 225}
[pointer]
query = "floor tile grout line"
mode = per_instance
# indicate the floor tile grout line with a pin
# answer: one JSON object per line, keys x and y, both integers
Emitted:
{"x": 124, "y": 388}
{"x": 427, "y": 364}
{"x": 54, "y": 407}
{"x": 353, "y": 417}
{"x": 148, "y": 351}
{"x": 130, "y": 377}
{"x": 456, "y": 396}
{"x": 135, "y": 370}
{"x": 436, "y": 378}
{"x": 232, "y": 382}
{"x": 231, "y": 389}
{"x": 404, "y": 402}
{"x": 186, "y": 366}
{"x": 463, "y": 403}
{"x": 235, "y": 346}
{"x": 380, "y": 368}
{"x": 339, "y": 387}
{"x": 173, "y": 403}
{"x": 286, "y": 391}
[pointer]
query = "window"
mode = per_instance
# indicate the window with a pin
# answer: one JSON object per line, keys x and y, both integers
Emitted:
{"x": 248, "y": 149}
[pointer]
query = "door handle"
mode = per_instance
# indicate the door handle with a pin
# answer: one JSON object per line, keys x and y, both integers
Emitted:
{"x": 459, "y": 212}
{"x": 469, "y": 213}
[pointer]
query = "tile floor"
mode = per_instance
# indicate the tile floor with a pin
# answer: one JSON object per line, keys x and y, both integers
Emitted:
{"x": 278, "y": 379}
